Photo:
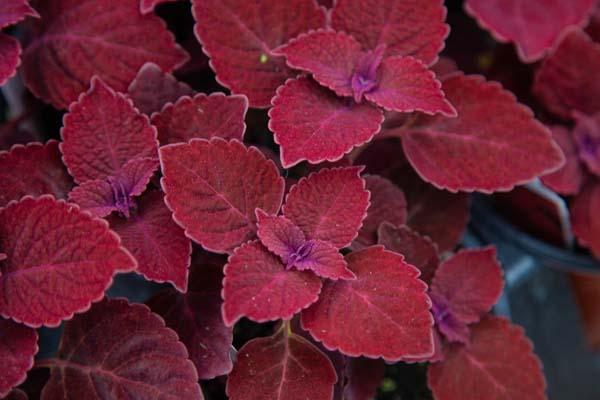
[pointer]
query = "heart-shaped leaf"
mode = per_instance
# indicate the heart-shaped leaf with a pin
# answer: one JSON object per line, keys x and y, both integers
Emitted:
{"x": 569, "y": 179}
{"x": 18, "y": 345}
{"x": 585, "y": 217}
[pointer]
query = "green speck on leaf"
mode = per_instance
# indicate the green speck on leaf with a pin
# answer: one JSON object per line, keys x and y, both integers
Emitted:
{"x": 263, "y": 58}
{"x": 388, "y": 385}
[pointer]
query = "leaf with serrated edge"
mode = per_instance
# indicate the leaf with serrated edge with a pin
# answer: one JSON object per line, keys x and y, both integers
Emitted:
{"x": 10, "y": 57}
{"x": 569, "y": 179}
{"x": 13, "y": 11}
{"x": 18, "y": 345}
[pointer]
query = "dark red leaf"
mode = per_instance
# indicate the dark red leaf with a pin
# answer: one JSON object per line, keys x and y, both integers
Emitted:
{"x": 80, "y": 38}
{"x": 279, "y": 235}
{"x": 147, "y": 6}
{"x": 10, "y": 57}
{"x": 329, "y": 205}
{"x": 258, "y": 287}
{"x": 444, "y": 66}
{"x": 569, "y": 179}
{"x": 196, "y": 317}
{"x": 487, "y": 368}
{"x": 387, "y": 204}
{"x": 282, "y": 366}
{"x": 202, "y": 116}
{"x": 533, "y": 26}
{"x": 154, "y": 239}
{"x": 386, "y": 303}
{"x": 465, "y": 288}
{"x": 494, "y": 144}
{"x": 407, "y": 27}
{"x": 152, "y": 89}
{"x": 587, "y": 137}
{"x": 585, "y": 217}
{"x": 120, "y": 351}
{"x": 566, "y": 80}
{"x": 18, "y": 345}
{"x": 213, "y": 188}
{"x": 417, "y": 250}
{"x": 13, "y": 11}
{"x": 60, "y": 260}
{"x": 311, "y": 123}
{"x": 363, "y": 377}
{"x": 102, "y": 132}
{"x": 34, "y": 169}
{"x": 240, "y": 36}
{"x": 16, "y": 394}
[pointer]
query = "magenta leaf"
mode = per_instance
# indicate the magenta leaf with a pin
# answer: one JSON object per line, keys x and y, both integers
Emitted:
{"x": 202, "y": 116}
{"x": 121, "y": 351}
{"x": 147, "y": 6}
{"x": 386, "y": 302}
{"x": 156, "y": 241}
{"x": 387, "y": 204}
{"x": 329, "y": 205}
{"x": 152, "y": 89}
{"x": 196, "y": 317}
{"x": 406, "y": 27}
{"x": 213, "y": 188}
{"x": 10, "y": 57}
{"x": 418, "y": 250}
{"x": 75, "y": 41}
{"x": 500, "y": 142}
{"x": 585, "y": 217}
{"x": 258, "y": 286}
{"x": 533, "y": 26}
{"x": 569, "y": 179}
{"x": 34, "y": 169}
{"x": 465, "y": 288}
{"x": 587, "y": 137}
{"x": 311, "y": 123}
{"x": 279, "y": 235}
{"x": 60, "y": 260}
{"x": 282, "y": 366}
{"x": 102, "y": 132}
{"x": 240, "y": 36}
{"x": 14, "y": 11}
{"x": 18, "y": 345}
{"x": 486, "y": 366}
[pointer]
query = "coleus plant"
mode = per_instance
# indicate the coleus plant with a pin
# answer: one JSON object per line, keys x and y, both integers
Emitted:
{"x": 349, "y": 264}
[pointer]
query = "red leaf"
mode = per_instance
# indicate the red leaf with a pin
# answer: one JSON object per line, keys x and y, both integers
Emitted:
{"x": 311, "y": 123}
{"x": 587, "y": 137}
{"x": 324, "y": 260}
{"x": 147, "y": 6}
{"x": 534, "y": 26}
{"x": 407, "y": 27}
{"x": 34, "y": 169}
{"x": 240, "y": 36}
{"x": 569, "y": 179}
{"x": 196, "y": 317}
{"x": 387, "y": 304}
{"x": 465, "y": 288}
{"x": 585, "y": 217}
{"x": 279, "y": 235}
{"x": 566, "y": 80}
{"x": 485, "y": 369}
{"x": 158, "y": 244}
{"x": 16, "y": 394}
{"x": 10, "y": 57}
{"x": 282, "y": 366}
{"x": 213, "y": 188}
{"x": 203, "y": 116}
{"x": 121, "y": 351}
{"x": 152, "y": 89}
{"x": 387, "y": 204}
{"x": 329, "y": 205}
{"x": 18, "y": 345}
{"x": 60, "y": 260}
{"x": 363, "y": 377}
{"x": 80, "y": 38}
{"x": 493, "y": 145}
{"x": 417, "y": 250}
{"x": 14, "y": 11}
{"x": 101, "y": 132}
{"x": 444, "y": 66}
{"x": 258, "y": 287}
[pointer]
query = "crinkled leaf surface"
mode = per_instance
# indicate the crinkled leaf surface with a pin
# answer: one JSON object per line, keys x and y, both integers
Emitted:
{"x": 13, "y": 11}
{"x": 329, "y": 205}
{"x": 407, "y": 27}
{"x": 102, "y": 132}
{"x": 213, "y": 188}
{"x": 202, "y": 116}
{"x": 18, "y": 345}
{"x": 257, "y": 286}
{"x": 34, "y": 169}
{"x": 494, "y": 144}
{"x": 386, "y": 303}
{"x": 196, "y": 317}
{"x": 311, "y": 123}
{"x": 159, "y": 245}
{"x": 240, "y": 36}
{"x": 585, "y": 217}
{"x": 152, "y": 89}
{"x": 279, "y": 235}
{"x": 587, "y": 138}
{"x": 120, "y": 351}
{"x": 485, "y": 369}
{"x": 79, "y": 38}
{"x": 60, "y": 260}
{"x": 533, "y": 26}
{"x": 282, "y": 366}
{"x": 147, "y": 6}
{"x": 10, "y": 57}
{"x": 566, "y": 80}
{"x": 569, "y": 179}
